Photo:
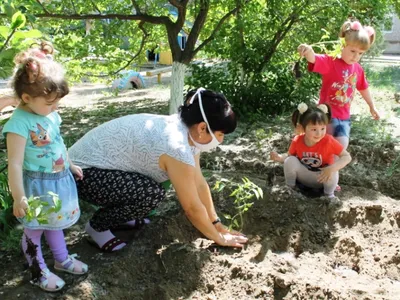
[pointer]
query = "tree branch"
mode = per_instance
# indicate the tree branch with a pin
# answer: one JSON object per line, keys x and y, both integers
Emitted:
{"x": 44, "y": 8}
{"x": 216, "y": 29}
{"x": 195, "y": 31}
{"x": 8, "y": 39}
{"x": 143, "y": 17}
{"x": 142, "y": 43}
{"x": 73, "y": 6}
{"x": 178, "y": 4}
{"x": 136, "y": 6}
{"x": 95, "y": 7}
{"x": 181, "y": 14}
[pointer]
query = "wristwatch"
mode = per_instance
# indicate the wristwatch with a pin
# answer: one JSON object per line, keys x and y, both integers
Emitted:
{"x": 217, "y": 220}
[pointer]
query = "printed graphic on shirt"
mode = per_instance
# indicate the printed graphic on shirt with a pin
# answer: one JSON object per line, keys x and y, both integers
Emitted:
{"x": 312, "y": 160}
{"x": 343, "y": 91}
{"x": 39, "y": 136}
{"x": 58, "y": 165}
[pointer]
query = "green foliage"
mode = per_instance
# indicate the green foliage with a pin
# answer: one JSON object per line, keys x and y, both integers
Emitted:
{"x": 259, "y": 49}
{"x": 7, "y": 218}
{"x": 15, "y": 36}
{"x": 394, "y": 167}
{"x": 10, "y": 241}
{"x": 40, "y": 208}
{"x": 376, "y": 132}
{"x": 385, "y": 77}
{"x": 242, "y": 194}
{"x": 262, "y": 135}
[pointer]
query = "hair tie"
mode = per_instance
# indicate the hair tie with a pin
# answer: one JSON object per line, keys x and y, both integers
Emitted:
{"x": 369, "y": 30}
{"x": 323, "y": 108}
{"x": 355, "y": 26}
{"x": 32, "y": 70}
{"x": 302, "y": 107}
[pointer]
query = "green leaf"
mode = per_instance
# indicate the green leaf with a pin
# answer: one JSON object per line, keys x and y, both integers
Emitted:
{"x": 34, "y": 33}
{"x": 228, "y": 217}
{"x": 18, "y": 20}
{"x": 7, "y": 54}
{"x": 37, "y": 211}
{"x": 9, "y": 10}
{"x": 57, "y": 203}
{"x": 4, "y": 31}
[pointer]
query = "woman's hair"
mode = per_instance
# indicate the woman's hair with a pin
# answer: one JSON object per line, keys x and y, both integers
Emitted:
{"x": 37, "y": 75}
{"x": 305, "y": 115}
{"x": 217, "y": 109}
{"x": 357, "y": 35}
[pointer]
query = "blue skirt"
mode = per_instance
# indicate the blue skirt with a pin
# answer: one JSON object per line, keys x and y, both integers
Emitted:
{"x": 39, "y": 184}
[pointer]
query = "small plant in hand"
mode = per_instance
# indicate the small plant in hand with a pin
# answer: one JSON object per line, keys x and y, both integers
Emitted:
{"x": 334, "y": 51}
{"x": 40, "y": 210}
{"x": 262, "y": 135}
{"x": 243, "y": 195}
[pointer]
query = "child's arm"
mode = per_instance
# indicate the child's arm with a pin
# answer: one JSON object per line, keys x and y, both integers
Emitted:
{"x": 326, "y": 173}
{"x": 307, "y": 52}
{"x": 76, "y": 170}
{"x": 16, "y": 151}
{"x": 368, "y": 98}
{"x": 278, "y": 157}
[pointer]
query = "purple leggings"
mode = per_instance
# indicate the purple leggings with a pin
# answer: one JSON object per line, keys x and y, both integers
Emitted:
{"x": 55, "y": 239}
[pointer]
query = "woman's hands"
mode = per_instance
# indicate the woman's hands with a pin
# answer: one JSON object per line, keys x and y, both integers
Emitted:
{"x": 77, "y": 171}
{"x": 20, "y": 207}
{"x": 230, "y": 238}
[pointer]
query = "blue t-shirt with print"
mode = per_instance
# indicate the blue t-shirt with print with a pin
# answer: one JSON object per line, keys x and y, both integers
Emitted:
{"x": 45, "y": 150}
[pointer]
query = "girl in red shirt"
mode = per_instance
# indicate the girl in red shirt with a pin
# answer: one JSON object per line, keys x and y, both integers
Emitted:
{"x": 311, "y": 156}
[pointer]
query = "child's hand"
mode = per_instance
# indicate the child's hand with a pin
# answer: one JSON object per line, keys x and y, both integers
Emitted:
{"x": 20, "y": 207}
{"x": 326, "y": 174}
{"x": 275, "y": 156}
{"x": 375, "y": 114}
{"x": 307, "y": 52}
{"x": 303, "y": 49}
{"x": 77, "y": 171}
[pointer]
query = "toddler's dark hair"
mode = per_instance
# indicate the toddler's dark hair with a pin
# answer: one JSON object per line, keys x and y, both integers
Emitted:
{"x": 217, "y": 109}
{"x": 313, "y": 115}
{"x": 37, "y": 75}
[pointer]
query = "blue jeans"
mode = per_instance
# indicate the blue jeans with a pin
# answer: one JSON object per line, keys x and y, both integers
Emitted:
{"x": 339, "y": 128}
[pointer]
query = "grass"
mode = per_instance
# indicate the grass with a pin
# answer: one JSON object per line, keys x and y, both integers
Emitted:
{"x": 384, "y": 77}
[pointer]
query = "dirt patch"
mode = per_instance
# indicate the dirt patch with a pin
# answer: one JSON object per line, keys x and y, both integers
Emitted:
{"x": 299, "y": 247}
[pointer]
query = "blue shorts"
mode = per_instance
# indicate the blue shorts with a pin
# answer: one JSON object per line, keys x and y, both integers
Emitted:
{"x": 339, "y": 128}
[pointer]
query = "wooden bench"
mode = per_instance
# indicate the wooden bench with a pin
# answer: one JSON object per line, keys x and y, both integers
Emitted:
{"x": 158, "y": 72}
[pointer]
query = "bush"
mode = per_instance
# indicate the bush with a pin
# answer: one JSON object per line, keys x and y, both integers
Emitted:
{"x": 274, "y": 91}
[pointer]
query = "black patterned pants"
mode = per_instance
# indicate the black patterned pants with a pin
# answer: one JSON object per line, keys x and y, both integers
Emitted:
{"x": 121, "y": 196}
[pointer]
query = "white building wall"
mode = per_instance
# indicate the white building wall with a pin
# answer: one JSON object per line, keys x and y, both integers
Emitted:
{"x": 392, "y": 37}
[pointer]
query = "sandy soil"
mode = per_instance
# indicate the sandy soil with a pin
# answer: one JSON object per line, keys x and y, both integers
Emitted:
{"x": 300, "y": 247}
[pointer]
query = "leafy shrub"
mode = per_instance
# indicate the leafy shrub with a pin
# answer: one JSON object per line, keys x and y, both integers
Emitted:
{"x": 271, "y": 92}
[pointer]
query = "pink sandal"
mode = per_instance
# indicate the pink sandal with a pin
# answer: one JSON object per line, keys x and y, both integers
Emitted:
{"x": 49, "y": 281}
{"x": 71, "y": 265}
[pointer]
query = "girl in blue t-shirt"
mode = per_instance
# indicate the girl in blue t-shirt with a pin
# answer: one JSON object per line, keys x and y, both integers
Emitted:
{"x": 38, "y": 164}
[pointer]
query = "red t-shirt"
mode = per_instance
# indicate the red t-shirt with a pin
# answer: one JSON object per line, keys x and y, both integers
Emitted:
{"x": 339, "y": 83}
{"x": 318, "y": 156}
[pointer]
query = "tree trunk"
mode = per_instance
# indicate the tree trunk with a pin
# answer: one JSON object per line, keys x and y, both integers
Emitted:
{"x": 177, "y": 82}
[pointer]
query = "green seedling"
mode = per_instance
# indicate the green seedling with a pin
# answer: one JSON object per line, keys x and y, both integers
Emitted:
{"x": 243, "y": 194}
{"x": 39, "y": 209}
